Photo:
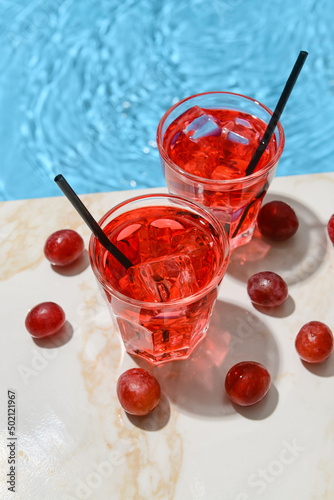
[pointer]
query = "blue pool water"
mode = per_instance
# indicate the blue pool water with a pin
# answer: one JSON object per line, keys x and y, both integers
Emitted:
{"x": 83, "y": 84}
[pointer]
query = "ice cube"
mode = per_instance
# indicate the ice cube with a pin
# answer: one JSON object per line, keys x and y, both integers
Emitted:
{"x": 160, "y": 280}
{"x": 189, "y": 240}
{"x": 146, "y": 239}
{"x": 195, "y": 141}
{"x": 127, "y": 240}
{"x": 237, "y": 145}
{"x": 234, "y": 137}
{"x": 161, "y": 231}
{"x": 203, "y": 125}
{"x": 229, "y": 170}
{"x": 243, "y": 121}
{"x": 239, "y": 139}
{"x": 198, "y": 246}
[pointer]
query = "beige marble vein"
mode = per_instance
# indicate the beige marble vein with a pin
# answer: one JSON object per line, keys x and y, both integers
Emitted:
{"x": 146, "y": 474}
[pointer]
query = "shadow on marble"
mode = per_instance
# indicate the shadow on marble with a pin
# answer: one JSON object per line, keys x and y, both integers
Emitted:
{"x": 77, "y": 267}
{"x": 196, "y": 385}
{"x": 325, "y": 369}
{"x": 295, "y": 259}
{"x": 263, "y": 409}
{"x": 58, "y": 339}
{"x": 282, "y": 311}
{"x": 156, "y": 420}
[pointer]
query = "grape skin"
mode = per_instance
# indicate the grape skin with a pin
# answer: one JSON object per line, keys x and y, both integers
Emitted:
{"x": 267, "y": 289}
{"x": 45, "y": 319}
{"x": 330, "y": 229}
{"x": 63, "y": 247}
{"x": 277, "y": 221}
{"x": 138, "y": 391}
{"x": 314, "y": 342}
{"x": 246, "y": 383}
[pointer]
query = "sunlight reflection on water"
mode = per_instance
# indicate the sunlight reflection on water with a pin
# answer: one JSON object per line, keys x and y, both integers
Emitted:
{"x": 84, "y": 84}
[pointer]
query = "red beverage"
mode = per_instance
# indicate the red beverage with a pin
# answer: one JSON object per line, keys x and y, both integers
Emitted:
{"x": 225, "y": 149}
{"x": 206, "y": 143}
{"x": 163, "y": 303}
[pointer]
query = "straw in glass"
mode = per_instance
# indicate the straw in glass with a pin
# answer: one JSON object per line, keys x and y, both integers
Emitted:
{"x": 270, "y": 130}
{"x": 278, "y": 111}
{"x": 91, "y": 222}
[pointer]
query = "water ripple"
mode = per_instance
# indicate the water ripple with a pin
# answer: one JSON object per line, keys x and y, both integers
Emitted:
{"x": 84, "y": 84}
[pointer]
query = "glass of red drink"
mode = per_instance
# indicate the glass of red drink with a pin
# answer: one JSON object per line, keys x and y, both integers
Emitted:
{"x": 163, "y": 303}
{"x": 206, "y": 143}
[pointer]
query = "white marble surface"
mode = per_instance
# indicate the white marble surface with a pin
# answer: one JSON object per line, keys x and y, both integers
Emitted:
{"x": 73, "y": 439}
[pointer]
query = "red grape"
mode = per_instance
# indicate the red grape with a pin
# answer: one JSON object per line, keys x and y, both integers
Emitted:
{"x": 267, "y": 289}
{"x": 330, "y": 228}
{"x": 314, "y": 342}
{"x": 63, "y": 247}
{"x": 45, "y": 319}
{"x": 277, "y": 221}
{"x": 138, "y": 391}
{"x": 246, "y": 383}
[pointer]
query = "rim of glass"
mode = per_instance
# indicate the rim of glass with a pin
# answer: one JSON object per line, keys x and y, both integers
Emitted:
{"x": 203, "y": 180}
{"x": 221, "y": 268}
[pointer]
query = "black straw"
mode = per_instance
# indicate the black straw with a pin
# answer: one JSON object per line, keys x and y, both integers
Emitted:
{"x": 278, "y": 111}
{"x": 91, "y": 222}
